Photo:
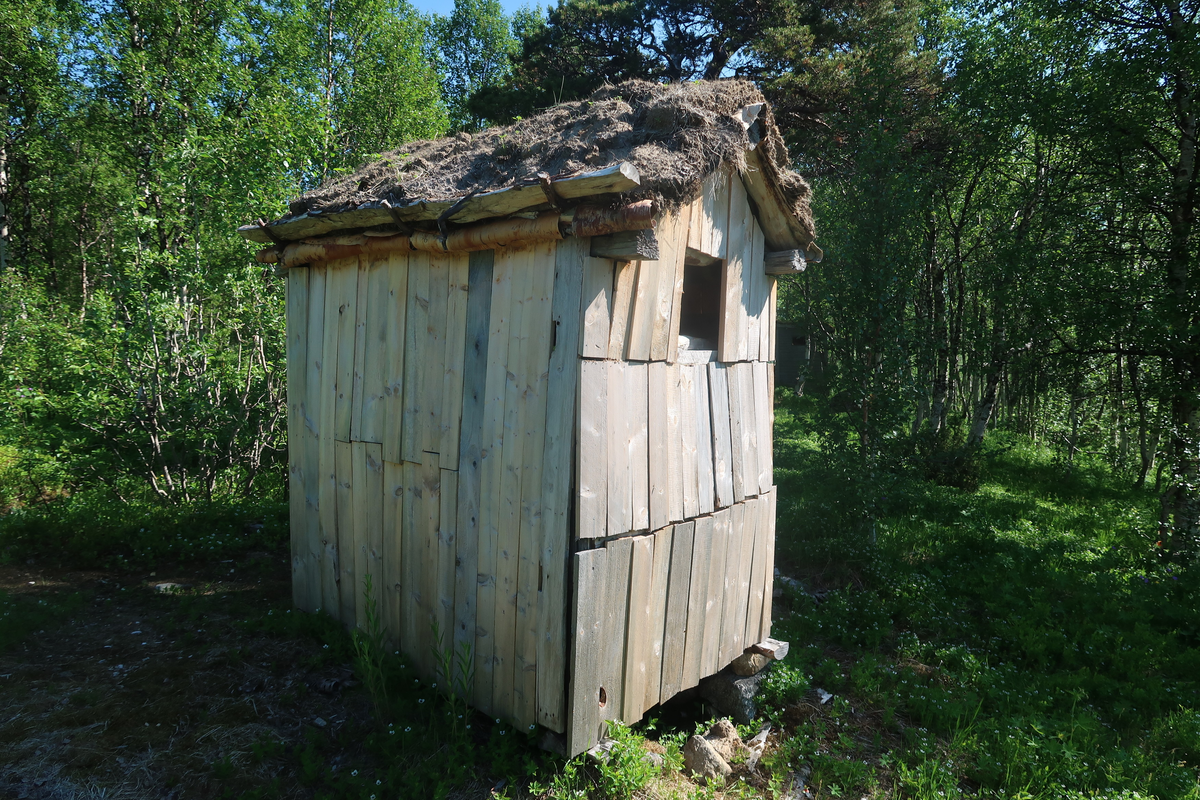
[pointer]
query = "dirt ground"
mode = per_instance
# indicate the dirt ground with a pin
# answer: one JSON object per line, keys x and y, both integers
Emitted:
{"x": 151, "y": 691}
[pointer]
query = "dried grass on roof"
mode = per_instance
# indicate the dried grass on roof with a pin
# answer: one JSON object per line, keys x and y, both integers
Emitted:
{"x": 674, "y": 134}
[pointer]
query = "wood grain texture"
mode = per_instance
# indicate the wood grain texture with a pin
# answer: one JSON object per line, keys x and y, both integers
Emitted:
{"x": 392, "y": 584}
{"x": 637, "y": 396}
{"x": 372, "y": 409}
{"x": 722, "y": 443}
{"x": 346, "y": 581}
{"x": 757, "y": 578}
{"x": 616, "y": 616}
{"x": 345, "y": 277}
{"x": 297, "y": 357}
{"x": 732, "y": 339}
{"x": 596, "y": 309}
{"x": 447, "y": 554}
{"x": 715, "y": 213}
{"x": 739, "y": 420}
{"x": 311, "y": 438}
{"x": 558, "y": 460}
{"x": 705, "y": 480}
{"x": 678, "y": 590}
{"x": 687, "y": 434}
{"x": 491, "y": 472}
{"x": 358, "y": 511}
{"x": 754, "y": 289}
{"x": 470, "y": 445}
{"x": 371, "y": 496}
{"x": 426, "y": 599}
{"x": 697, "y": 606}
{"x": 764, "y": 630}
{"x": 639, "y": 635}
{"x": 749, "y": 402}
{"x": 715, "y": 600}
{"x": 642, "y": 311}
{"x": 764, "y": 424}
{"x": 745, "y": 569}
{"x": 673, "y": 235}
{"x": 508, "y": 502}
{"x": 336, "y": 285}
{"x": 416, "y": 334}
{"x": 624, "y": 285}
{"x": 659, "y": 583}
{"x": 733, "y": 627}
{"x": 393, "y": 378}
{"x": 360, "y": 350}
{"x": 529, "y": 572}
{"x": 589, "y": 582}
{"x": 675, "y": 454}
{"x": 434, "y": 355}
{"x": 620, "y": 483}
{"x": 592, "y": 460}
{"x": 458, "y": 281}
{"x": 658, "y": 373}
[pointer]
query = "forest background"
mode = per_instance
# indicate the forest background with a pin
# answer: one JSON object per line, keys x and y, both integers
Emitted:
{"x": 1006, "y": 194}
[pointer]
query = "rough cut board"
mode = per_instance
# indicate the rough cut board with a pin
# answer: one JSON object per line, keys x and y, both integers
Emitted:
{"x": 502, "y": 202}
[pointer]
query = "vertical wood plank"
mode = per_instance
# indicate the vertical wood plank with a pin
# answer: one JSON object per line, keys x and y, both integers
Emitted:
{"x": 749, "y": 427}
{"x": 360, "y": 351}
{"x": 675, "y": 454}
{"x": 659, "y": 584}
{"x": 732, "y": 344}
{"x": 637, "y": 395}
{"x": 491, "y": 472}
{"x": 766, "y": 286}
{"x": 434, "y": 355}
{"x": 558, "y": 459}
{"x": 392, "y": 584}
{"x": 672, "y": 239}
{"x": 596, "y": 311}
{"x": 590, "y": 581}
{"x": 714, "y": 603}
{"x": 347, "y": 283}
{"x": 697, "y": 604}
{"x": 624, "y": 284}
{"x": 640, "y": 333}
{"x": 416, "y": 335}
{"x": 372, "y": 425}
{"x": 592, "y": 461}
{"x": 297, "y": 363}
{"x": 620, "y": 486}
{"x": 347, "y": 585}
{"x": 412, "y": 542}
{"x": 706, "y": 488}
{"x": 529, "y": 572}
{"x": 695, "y": 213}
{"x": 396, "y": 317}
{"x": 672, "y": 353}
{"x": 335, "y": 290}
{"x": 733, "y": 628}
{"x": 678, "y": 597}
{"x": 447, "y": 578}
{"x": 616, "y": 617}
{"x": 475, "y": 369}
{"x": 426, "y": 599}
{"x": 658, "y": 373}
{"x": 688, "y": 428}
{"x": 371, "y": 496}
{"x": 754, "y": 289}
{"x": 715, "y": 194}
{"x": 458, "y": 280}
{"x": 312, "y": 417}
{"x": 757, "y": 579}
{"x": 773, "y": 310}
{"x": 764, "y": 420}
{"x": 508, "y": 501}
{"x": 638, "y": 637}
{"x": 358, "y": 512}
{"x": 745, "y": 570}
{"x": 772, "y": 498}
{"x": 739, "y": 420}
{"x": 722, "y": 446}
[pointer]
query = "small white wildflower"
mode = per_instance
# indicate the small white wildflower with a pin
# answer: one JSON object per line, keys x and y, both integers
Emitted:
{"x": 353, "y": 773}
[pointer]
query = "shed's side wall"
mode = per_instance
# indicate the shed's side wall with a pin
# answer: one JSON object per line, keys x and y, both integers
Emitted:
{"x": 429, "y": 452}
{"x": 675, "y": 506}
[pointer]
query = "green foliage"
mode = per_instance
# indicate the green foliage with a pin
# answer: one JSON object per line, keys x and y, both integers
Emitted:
{"x": 22, "y": 617}
{"x": 1025, "y": 637}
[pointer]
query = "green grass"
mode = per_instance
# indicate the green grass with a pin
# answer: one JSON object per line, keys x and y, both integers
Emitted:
{"x": 1023, "y": 640}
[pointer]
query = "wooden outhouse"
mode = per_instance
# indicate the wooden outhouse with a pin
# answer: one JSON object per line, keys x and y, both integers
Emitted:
{"x": 530, "y": 394}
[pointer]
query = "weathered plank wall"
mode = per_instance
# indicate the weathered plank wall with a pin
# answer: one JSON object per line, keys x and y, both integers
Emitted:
{"x": 675, "y": 519}
{"x": 432, "y": 409}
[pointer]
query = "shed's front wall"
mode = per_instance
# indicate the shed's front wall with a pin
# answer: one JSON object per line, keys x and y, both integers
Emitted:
{"x": 675, "y": 507}
{"x": 431, "y": 420}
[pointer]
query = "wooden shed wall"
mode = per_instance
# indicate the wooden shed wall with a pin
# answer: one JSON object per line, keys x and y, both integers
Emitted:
{"x": 431, "y": 407}
{"x": 675, "y": 507}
